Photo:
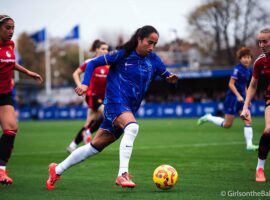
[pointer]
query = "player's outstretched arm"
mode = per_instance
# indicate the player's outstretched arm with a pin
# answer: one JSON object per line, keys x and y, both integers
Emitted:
{"x": 32, "y": 74}
{"x": 76, "y": 76}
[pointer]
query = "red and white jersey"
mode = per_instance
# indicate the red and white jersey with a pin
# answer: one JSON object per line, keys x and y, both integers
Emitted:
{"x": 262, "y": 66}
{"x": 98, "y": 80}
{"x": 7, "y": 64}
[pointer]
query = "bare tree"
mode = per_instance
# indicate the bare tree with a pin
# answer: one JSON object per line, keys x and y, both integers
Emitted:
{"x": 222, "y": 26}
{"x": 30, "y": 57}
{"x": 63, "y": 57}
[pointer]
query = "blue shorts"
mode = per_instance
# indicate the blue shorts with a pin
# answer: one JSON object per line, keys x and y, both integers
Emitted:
{"x": 111, "y": 112}
{"x": 232, "y": 106}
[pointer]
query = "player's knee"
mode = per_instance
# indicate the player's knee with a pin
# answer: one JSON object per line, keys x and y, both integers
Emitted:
{"x": 10, "y": 126}
{"x": 227, "y": 125}
{"x": 132, "y": 129}
{"x": 267, "y": 130}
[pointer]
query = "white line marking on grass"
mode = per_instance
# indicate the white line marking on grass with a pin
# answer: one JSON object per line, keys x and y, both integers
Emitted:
{"x": 193, "y": 145}
{"x": 139, "y": 148}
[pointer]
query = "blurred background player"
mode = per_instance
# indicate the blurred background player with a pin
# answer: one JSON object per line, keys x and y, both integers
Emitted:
{"x": 8, "y": 120}
{"x": 235, "y": 98}
{"x": 132, "y": 68}
{"x": 94, "y": 96}
{"x": 261, "y": 66}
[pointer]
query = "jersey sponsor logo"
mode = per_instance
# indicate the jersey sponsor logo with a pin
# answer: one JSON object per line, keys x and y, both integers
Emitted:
{"x": 101, "y": 75}
{"x": 7, "y": 60}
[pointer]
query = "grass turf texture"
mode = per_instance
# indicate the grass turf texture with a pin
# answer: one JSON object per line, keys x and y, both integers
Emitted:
{"x": 209, "y": 160}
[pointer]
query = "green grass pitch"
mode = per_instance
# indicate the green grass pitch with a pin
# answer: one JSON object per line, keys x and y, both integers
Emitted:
{"x": 210, "y": 161}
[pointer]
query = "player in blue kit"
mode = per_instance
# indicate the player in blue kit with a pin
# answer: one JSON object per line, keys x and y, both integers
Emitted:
{"x": 132, "y": 68}
{"x": 235, "y": 98}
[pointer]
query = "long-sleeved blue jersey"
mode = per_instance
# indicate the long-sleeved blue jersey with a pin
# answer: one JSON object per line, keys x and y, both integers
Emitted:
{"x": 129, "y": 77}
{"x": 241, "y": 74}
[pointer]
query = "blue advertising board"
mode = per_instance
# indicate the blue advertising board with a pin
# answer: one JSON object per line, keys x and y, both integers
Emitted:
{"x": 153, "y": 110}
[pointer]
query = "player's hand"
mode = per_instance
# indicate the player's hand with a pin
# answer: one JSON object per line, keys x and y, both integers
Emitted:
{"x": 245, "y": 115}
{"x": 81, "y": 90}
{"x": 240, "y": 99}
{"x": 35, "y": 76}
{"x": 172, "y": 79}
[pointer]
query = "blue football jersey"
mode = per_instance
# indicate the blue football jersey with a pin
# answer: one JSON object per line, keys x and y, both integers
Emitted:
{"x": 129, "y": 77}
{"x": 242, "y": 75}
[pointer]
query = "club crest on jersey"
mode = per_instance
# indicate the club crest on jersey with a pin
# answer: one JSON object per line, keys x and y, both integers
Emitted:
{"x": 8, "y": 54}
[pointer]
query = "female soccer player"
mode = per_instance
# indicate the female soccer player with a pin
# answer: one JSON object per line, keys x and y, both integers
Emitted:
{"x": 94, "y": 96}
{"x": 261, "y": 66}
{"x": 235, "y": 98}
{"x": 8, "y": 119}
{"x": 132, "y": 68}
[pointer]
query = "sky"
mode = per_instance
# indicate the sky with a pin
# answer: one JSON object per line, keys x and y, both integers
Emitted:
{"x": 103, "y": 19}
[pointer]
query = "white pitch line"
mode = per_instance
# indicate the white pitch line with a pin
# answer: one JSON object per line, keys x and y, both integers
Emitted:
{"x": 193, "y": 145}
{"x": 140, "y": 148}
